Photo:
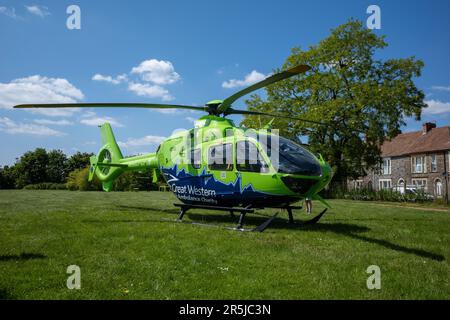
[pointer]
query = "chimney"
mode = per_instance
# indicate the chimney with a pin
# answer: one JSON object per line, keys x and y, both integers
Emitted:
{"x": 427, "y": 126}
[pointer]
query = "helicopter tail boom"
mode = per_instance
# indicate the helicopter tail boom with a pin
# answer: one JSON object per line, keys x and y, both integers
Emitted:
{"x": 109, "y": 163}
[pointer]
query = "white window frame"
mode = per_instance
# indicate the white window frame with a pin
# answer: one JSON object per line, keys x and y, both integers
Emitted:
{"x": 381, "y": 183}
{"x": 423, "y": 165}
{"x": 433, "y": 163}
{"x": 447, "y": 160}
{"x": 438, "y": 194}
{"x": 424, "y": 186}
{"x": 386, "y": 169}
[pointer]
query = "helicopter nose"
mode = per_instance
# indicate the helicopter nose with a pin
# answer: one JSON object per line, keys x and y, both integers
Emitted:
{"x": 309, "y": 185}
{"x": 299, "y": 185}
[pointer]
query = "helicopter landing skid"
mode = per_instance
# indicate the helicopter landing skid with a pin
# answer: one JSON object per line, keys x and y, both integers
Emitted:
{"x": 310, "y": 221}
{"x": 243, "y": 211}
{"x": 259, "y": 228}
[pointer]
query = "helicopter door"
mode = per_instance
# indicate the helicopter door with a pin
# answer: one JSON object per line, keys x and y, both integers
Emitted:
{"x": 249, "y": 159}
{"x": 220, "y": 159}
{"x": 249, "y": 166}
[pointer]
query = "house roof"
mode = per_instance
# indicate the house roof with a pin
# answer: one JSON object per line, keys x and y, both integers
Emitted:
{"x": 437, "y": 139}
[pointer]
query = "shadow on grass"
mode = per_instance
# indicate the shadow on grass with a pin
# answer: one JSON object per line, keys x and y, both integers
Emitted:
{"x": 345, "y": 229}
{"x": 349, "y": 230}
{"x": 102, "y": 221}
{"x": 5, "y": 295}
{"x": 171, "y": 211}
{"x": 22, "y": 257}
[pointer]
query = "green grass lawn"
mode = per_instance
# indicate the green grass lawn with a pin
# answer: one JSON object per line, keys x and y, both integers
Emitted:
{"x": 126, "y": 250}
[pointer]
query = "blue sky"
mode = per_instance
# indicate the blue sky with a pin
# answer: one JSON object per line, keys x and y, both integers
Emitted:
{"x": 185, "y": 52}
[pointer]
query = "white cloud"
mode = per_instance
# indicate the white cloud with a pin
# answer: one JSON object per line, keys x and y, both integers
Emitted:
{"x": 88, "y": 114}
{"x": 141, "y": 142}
{"x": 151, "y": 91}
{"x": 116, "y": 80}
{"x": 191, "y": 119}
{"x": 9, "y": 126}
{"x": 95, "y": 120}
{"x": 156, "y": 71}
{"x": 441, "y": 88}
{"x": 437, "y": 107}
{"x": 9, "y": 12}
{"x": 40, "y": 11}
{"x": 62, "y": 122}
{"x": 167, "y": 111}
{"x": 38, "y": 89}
{"x": 249, "y": 79}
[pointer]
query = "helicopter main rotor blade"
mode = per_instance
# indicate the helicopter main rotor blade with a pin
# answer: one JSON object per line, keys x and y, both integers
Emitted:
{"x": 244, "y": 112}
{"x": 272, "y": 79}
{"x": 109, "y": 105}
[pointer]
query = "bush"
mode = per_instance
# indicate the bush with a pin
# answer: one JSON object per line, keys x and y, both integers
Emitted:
{"x": 133, "y": 181}
{"x": 78, "y": 180}
{"x": 386, "y": 195}
{"x": 45, "y": 186}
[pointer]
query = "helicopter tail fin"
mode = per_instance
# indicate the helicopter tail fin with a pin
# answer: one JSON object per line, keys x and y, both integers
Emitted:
{"x": 106, "y": 164}
{"x": 109, "y": 163}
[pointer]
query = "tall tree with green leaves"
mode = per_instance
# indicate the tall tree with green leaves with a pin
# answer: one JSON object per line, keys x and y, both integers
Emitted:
{"x": 78, "y": 160}
{"x": 56, "y": 166}
{"x": 31, "y": 168}
{"x": 362, "y": 98}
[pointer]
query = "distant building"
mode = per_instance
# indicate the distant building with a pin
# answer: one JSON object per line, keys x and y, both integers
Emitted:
{"x": 419, "y": 159}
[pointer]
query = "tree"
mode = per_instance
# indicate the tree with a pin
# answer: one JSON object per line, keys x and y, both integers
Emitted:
{"x": 78, "y": 160}
{"x": 56, "y": 166}
{"x": 31, "y": 168}
{"x": 7, "y": 177}
{"x": 362, "y": 99}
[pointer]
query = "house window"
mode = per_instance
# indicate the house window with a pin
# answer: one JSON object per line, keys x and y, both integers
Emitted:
{"x": 433, "y": 163}
{"x": 385, "y": 184}
{"x": 438, "y": 188}
{"x": 448, "y": 160}
{"x": 420, "y": 183}
{"x": 386, "y": 166}
{"x": 221, "y": 157}
{"x": 418, "y": 164}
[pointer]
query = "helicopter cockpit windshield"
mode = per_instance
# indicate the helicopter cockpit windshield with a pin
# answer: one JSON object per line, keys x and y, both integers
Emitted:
{"x": 293, "y": 158}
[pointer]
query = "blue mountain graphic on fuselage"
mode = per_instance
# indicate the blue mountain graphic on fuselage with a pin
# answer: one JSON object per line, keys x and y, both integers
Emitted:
{"x": 206, "y": 189}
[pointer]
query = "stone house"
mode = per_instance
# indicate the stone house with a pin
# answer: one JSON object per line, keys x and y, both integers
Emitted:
{"x": 419, "y": 159}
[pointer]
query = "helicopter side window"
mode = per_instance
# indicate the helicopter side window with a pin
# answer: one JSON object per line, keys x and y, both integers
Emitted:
{"x": 220, "y": 157}
{"x": 196, "y": 158}
{"x": 248, "y": 158}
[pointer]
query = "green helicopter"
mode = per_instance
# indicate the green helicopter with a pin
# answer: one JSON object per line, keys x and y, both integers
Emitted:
{"x": 217, "y": 165}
